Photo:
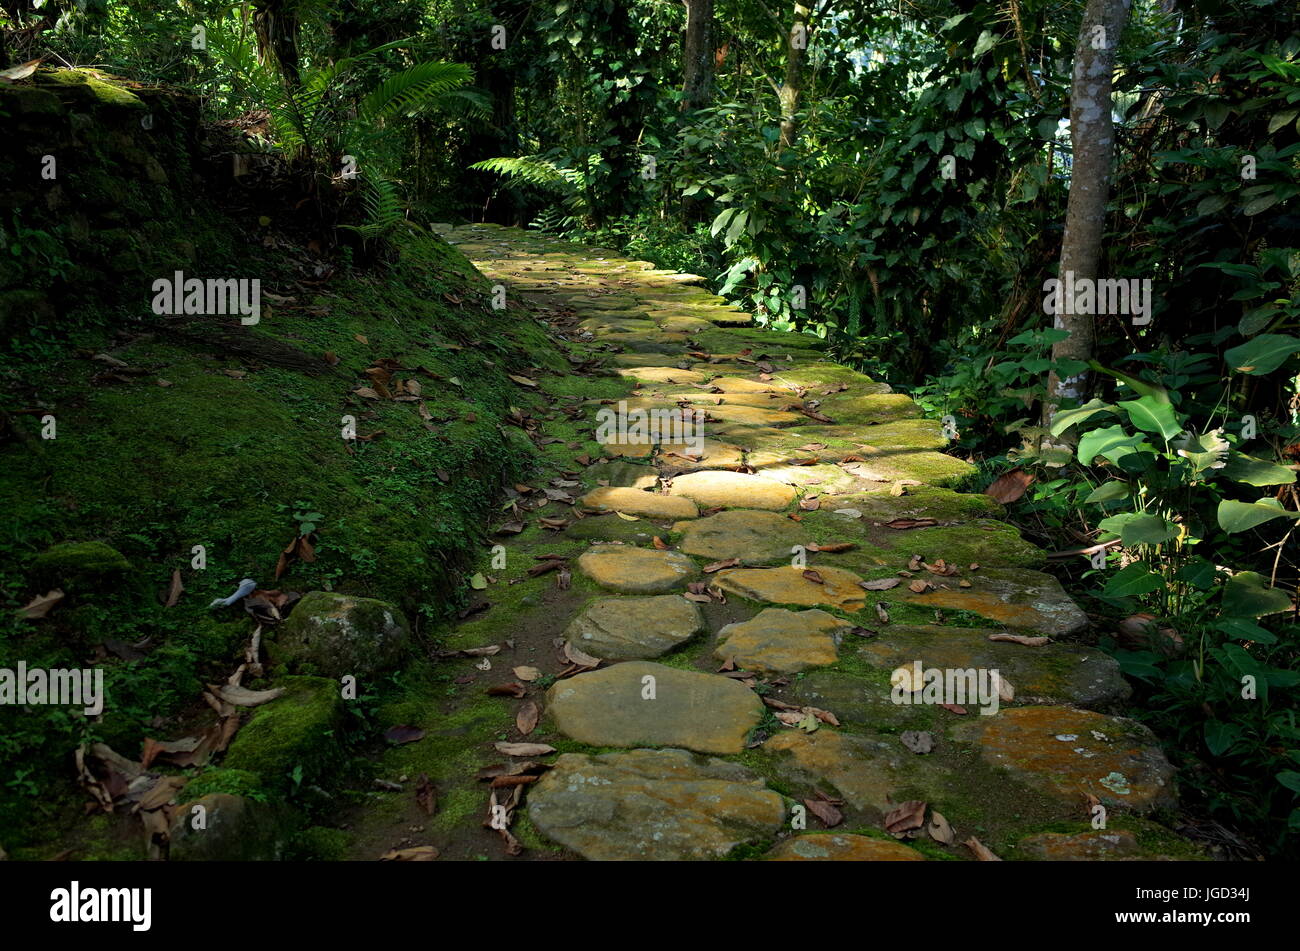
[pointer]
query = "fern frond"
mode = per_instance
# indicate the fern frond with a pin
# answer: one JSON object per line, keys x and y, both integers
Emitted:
{"x": 384, "y": 208}
{"x": 412, "y": 89}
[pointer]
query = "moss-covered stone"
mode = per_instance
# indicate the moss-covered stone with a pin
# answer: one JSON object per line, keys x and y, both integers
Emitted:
{"x": 295, "y": 738}
{"x": 234, "y": 782}
{"x": 80, "y": 566}
{"x": 220, "y": 827}
{"x": 333, "y": 635}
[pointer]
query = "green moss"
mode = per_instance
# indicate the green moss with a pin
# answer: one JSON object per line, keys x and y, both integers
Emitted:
{"x": 236, "y": 782}
{"x": 298, "y": 731}
{"x": 79, "y": 565}
{"x": 318, "y": 844}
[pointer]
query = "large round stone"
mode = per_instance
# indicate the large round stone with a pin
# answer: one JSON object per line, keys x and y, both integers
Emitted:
{"x": 233, "y": 829}
{"x": 733, "y": 489}
{"x": 332, "y": 635}
{"x": 632, "y": 501}
{"x": 779, "y": 641}
{"x": 637, "y": 570}
{"x": 1067, "y": 754}
{"x": 841, "y": 848}
{"x": 756, "y": 538}
{"x": 643, "y": 704}
{"x": 665, "y": 805}
{"x": 838, "y": 588}
{"x": 635, "y": 628}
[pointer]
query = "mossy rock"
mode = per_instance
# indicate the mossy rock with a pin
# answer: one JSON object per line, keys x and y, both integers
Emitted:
{"x": 334, "y": 635}
{"x": 234, "y": 782}
{"x": 297, "y": 730}
{"x": 229, "y": 829}
{"x": 318, "y": 844}
{"x": 79, "y": 566}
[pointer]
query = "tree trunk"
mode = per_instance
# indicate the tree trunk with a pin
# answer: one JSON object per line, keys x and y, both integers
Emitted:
{"x": 275, "y": 23}
{"x": 697, "y": 54}
{"x": 796, "y": 54}
{"x": 1092, "y": 140}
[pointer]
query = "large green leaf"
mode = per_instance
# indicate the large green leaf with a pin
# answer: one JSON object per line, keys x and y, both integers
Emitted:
{"x": 1108, "y": 492}
{"x": 1245, "y": 630}
{"x": 1247, "y": 594}
{"x": 1140, "y": 528}
{"x": 1104, "y": 441}
{"x": 1066, "y": 418}
{"x": 1135, "y": 579}
{"x": 1153, "y": 416}
{"x": 1243, "y": 468}
{"x": 1220, "y": 736}
{"x": 1263, "y": 354}
{"x": 1237, "y": 516}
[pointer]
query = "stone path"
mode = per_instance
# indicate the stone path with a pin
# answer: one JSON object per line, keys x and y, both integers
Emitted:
{"x": 759, "y": 604}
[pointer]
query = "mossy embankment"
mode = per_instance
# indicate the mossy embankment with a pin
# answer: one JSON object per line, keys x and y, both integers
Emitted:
{"x": 200, "y": 445}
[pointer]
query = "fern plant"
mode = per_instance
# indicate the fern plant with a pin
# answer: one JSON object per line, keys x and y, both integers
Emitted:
{"x": 569, "y": 185}
{"x": 327, "y": 115}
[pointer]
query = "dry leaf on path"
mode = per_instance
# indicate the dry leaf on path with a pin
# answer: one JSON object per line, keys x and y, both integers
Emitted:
{"x": 403, "y": 733}
{"x": 1009, "y": 486}
{"x": 39, "y": 606}
{"x": 981, "y": 851}
{"x": 523, "y": 749}
{"x": 528, "y": 716}
{"x": 939, "y": 829}
{"x": 420, "y": 853}
{"x": 825, "y": 812}
{"x": 907, "y": 817}
{"x": 243, "y": 697}
{"x": 1021, "y": 639}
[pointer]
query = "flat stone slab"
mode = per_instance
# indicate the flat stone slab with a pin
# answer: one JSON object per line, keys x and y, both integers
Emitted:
{"x": 736, "y": 384}
{"x": 634, "y": 501}
{"x": 660, "y": 374}
{"x": 1067, "y": 754}
{"x": 874, "y": 409}
{"x": 733, "y": 489}
{"x": 620, "y": 474}
{"x": 1019, "y": 598}
{"x": 631, "y": 570}
{"x": 866, "y": 771}
{"x": 830, "y": 847}
{"x": 1092, "y": 846}
{"x": 923, "y": 465}
{"x": 639, "y": 703}
{"x": 743, "y": 415}
{"x": 756, "y": 538}
{"x": 789, "y": 585}
{"x": 859, "y": 701}
{"x": 662, "y": 805}
{"x": 1053, "y": 673}
{"x": 778, "y": 641}
{"x": 635, "y": 628}
{"x": 679, "y": 457}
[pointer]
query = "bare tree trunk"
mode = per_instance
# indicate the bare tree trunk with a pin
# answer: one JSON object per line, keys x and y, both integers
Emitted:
{"x": 796, "y": 54}
{"x": 275, "y": 22}
{"x": 697, "y": 54}
{"x": 1092, "y": 138}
